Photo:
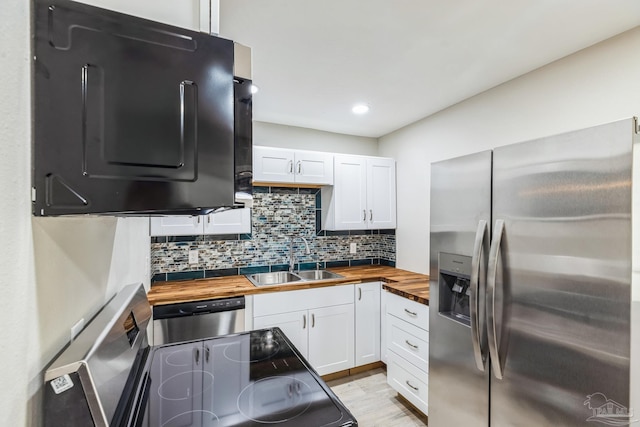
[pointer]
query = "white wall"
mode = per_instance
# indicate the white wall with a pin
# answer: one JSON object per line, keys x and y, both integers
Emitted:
{"x": 594, "y": 86}
{"x": 275, "y": 135}
{"x": 53, "y": 271}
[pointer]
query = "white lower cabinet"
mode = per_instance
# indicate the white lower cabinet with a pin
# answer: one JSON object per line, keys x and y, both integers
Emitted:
{"x": 331, "y": 343}
{"x": 412, "y": 383}
{"x": 319, "y": 322}
{"x": 407, "y": 342}
{"x": 293, "y": 324}
{"x": 383, "y": 325}
{"x": 367, "y": 297}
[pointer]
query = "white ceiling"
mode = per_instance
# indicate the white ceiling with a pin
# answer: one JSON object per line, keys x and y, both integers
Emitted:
{"x": 407, "y": 59}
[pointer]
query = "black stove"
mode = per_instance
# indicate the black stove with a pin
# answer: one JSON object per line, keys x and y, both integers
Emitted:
{"x": 252, "y": 378}
{"x": 111, "y": 377}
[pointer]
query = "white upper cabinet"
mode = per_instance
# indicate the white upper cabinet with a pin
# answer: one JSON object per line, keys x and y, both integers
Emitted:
{"x": 179, "y": 225}
{"x": 363, "y": 195}
{"x": 196, "y": 15}
{"x": 232, "y": 221}
{"x": 381, "y": 192}
{"x": 280, "y": 165}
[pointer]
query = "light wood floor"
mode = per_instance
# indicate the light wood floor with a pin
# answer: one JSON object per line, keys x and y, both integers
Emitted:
{"x": 373, "y": 402}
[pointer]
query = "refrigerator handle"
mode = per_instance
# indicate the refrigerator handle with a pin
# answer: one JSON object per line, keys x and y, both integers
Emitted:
{"x": 492, "y": 272}
{"x": 474, "y": 312}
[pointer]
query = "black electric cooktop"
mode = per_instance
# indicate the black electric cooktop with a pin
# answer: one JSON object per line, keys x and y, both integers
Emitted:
{"x": 248, "y": 379}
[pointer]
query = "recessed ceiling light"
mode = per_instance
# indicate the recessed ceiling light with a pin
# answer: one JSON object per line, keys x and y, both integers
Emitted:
{"x": 254, "y": 89}
{"x": 360, "y": 109}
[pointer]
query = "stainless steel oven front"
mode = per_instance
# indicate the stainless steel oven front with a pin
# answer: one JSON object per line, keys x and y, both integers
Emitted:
{"x": 110, "y": 376}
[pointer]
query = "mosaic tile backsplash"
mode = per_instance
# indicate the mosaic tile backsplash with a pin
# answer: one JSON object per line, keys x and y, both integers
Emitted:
{"x": 277, "y": 215}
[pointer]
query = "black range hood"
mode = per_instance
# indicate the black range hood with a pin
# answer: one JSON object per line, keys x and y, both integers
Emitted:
{"x": 132, "y": 116}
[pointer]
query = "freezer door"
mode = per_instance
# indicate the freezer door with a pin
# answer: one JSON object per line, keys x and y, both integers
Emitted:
{"x": 460, "y": 220}
{"x": 559, "y": 281}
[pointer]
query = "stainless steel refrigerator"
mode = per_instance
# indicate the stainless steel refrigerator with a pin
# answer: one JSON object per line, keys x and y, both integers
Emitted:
{"x": 533, "y": 290}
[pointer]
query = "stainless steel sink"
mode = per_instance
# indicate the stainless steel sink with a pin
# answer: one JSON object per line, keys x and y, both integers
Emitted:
{"x": 286, "y": 278}
{"x": 274, "y": 278}
{"x": 317, "y": 275}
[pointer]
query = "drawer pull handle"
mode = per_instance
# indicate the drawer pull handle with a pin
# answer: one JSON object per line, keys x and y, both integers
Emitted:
{"x": 411, "y": 345}
{"x": 412, "y": 386}
{"x": 304, "y": 321}
{"x": 412, "y": 313}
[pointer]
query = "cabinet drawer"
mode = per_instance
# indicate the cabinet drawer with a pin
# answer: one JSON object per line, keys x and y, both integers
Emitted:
{"x": 411, "y": 311}
{"x": 409, "y": 381}
{"x": 305, "y": 299}
{"x": 408, "y": 341}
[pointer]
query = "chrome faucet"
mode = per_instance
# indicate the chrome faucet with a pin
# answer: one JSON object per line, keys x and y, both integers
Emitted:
{"x": 292, "y": 257}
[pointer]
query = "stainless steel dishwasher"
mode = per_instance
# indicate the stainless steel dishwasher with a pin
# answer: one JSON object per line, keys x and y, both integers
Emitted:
{"x": 196, "y": 320}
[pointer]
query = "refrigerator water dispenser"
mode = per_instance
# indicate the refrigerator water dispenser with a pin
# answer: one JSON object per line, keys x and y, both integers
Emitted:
{"x": 454, "y": 274}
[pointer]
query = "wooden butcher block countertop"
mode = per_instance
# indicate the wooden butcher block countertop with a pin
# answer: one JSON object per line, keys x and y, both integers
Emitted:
{"x": 405, "y": 283}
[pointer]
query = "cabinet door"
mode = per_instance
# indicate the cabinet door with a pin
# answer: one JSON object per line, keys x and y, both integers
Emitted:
{"x": 381, "y": 193}
{"x": 367, "y": 298}
{"x": 383, "y": 325}
{"x": 273, "y": 165}
{"x": 331, "y": 341}
{"x": 313, "y": 167}
{"x": 176, "y": 374}
{"x": 179, "y": 225}
{"x": 232, "y": 221}
{"x": 294, "y": 325}
{"x": 350, "y": 192}
{"x": 411, "y": 382}
{"x": 185, "y": 14}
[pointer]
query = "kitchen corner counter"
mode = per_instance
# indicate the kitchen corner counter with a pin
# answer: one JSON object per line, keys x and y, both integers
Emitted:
{"x": 416, "y": 290}
{"x": 408, "y": 284}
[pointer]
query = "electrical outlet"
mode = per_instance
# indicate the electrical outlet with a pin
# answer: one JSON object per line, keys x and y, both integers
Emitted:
{"x": 193, "y": 256}
{"x": 75, "y": 329}
{"x": 352, "y": 248}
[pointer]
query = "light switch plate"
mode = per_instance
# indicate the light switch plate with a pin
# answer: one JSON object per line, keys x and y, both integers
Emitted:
{"x": 352, "y": 248}
{"x": 193, "y": 256}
